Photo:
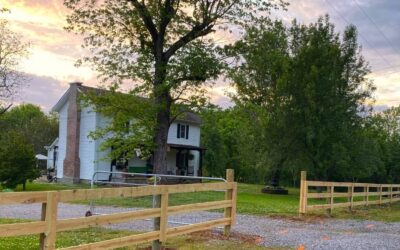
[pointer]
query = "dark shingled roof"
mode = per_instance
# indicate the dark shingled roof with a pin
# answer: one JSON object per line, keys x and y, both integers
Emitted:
{"x": 190, "y": 117}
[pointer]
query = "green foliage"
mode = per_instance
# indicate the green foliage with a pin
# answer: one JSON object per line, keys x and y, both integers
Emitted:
{"x": 310, "y": 85}
{"x": 37, "y": 128}
{"x": 231, "y": 138}
{"x": 17, "y": 161}
{"x": 130, "y": 126}
{"x": 383, "y": 132}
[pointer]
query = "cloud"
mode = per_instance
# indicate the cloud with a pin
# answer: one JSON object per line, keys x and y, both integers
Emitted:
{"x": 380, "y": 108}
{"x": 55, "y": 51}
{"x": 41, "y": 90}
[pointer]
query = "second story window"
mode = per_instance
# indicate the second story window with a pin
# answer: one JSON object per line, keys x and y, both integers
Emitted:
{"x": 182, "y": 131}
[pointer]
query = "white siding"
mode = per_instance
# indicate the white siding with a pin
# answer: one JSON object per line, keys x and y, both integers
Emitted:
{"x": 194, "y": 135}
{"x": 86, "y": 144}
{"x": 50, "y": 158}
{"x": 62, "y": 139}
{"x": 103, "y": 162}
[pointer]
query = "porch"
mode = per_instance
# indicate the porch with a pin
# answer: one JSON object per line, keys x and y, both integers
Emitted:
{"x": 182, "y": 160}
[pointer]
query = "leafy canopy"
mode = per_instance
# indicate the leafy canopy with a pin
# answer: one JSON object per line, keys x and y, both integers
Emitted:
{"x": 37, "y": 128}
{"x": 311, "y": 81}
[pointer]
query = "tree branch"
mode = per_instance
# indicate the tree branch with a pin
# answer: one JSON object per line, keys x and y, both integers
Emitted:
{"x": 146, "y": 17}
{"x": 197, "y": 31}
{"x": 167, "y": 15}
{"x": 3, "y": 110}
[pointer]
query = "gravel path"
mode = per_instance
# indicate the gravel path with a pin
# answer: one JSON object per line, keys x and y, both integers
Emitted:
{"x": 322, "y": 234}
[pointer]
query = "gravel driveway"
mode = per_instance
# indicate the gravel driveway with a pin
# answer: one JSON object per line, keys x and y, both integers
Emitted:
{"x": 322, "y": 234}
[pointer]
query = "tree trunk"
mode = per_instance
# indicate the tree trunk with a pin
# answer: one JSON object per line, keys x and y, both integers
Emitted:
{"x": 160, "y": 155}
{"x": 24, "y": 186}
{"x": 163, "y": 101}
{"x": 161, "y": 136}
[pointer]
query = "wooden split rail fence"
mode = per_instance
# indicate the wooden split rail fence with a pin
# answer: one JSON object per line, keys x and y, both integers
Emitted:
{"x": 50, "y": 224}
{"x": 349, "y": 194}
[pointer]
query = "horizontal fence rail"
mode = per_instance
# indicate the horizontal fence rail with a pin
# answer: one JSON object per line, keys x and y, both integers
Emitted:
{"x": 345, "y": 194}
{"x": 50, "y": 224}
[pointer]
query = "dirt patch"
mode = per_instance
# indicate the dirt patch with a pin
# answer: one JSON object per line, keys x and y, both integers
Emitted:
{"x": 162, "y": 248}
{"x": 311, "y": 219}
{"x": 213, "y": 235}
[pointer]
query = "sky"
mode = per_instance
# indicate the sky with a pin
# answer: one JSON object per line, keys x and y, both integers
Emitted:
{"x": 54, "y": 51}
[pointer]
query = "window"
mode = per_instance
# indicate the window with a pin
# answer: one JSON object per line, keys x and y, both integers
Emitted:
{"x": 182, "y": 131}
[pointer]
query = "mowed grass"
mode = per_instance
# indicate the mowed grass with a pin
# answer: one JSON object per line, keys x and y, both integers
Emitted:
{"x": 386, "y": 213}
{"x": 196, "y": 241}
{"x": 250, "y": 200}
{"x": 43, "y": 186}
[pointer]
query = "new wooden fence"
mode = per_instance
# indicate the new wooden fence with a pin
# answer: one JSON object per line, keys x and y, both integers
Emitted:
{"x": 50, "y": 224}
{"x": 345, "y": 194}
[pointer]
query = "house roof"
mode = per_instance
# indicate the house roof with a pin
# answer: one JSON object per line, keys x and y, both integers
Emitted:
{"x": 189, "y": 147}
{"x": 61, "y": 102}
{"x": 40, "y": 157}
{"x": 52, "y": 145}
{"x": 188, "y": 117}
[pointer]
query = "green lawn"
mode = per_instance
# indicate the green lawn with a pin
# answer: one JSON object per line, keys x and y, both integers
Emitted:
{"x": 249, "y": 201}
{"x": 196, "y": 241}
{"x": 43, "y": 186}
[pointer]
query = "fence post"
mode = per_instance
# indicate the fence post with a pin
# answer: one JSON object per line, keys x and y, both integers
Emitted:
{"x": 230, "y": 176}
{"x": 49, "y": 211}
{"x": 164, "y": 214}
{"x": 303, "y": 193}
{"x": 156, "y": 244}
{"x": 380, "y": 194}
{"x": 352, "y": 196}
{"x": 391, "y": 193}
{"x": 367, "y": 195}
{"x": 43, "y": 218}
{"x": 329, "y": 200}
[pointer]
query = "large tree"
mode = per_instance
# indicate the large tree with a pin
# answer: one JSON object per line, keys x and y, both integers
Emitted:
{"x": 164, "y": 47}
{"x": 312, "y": 83}
{"x": 12, "y": 50}
{"x": 30, "y": 122}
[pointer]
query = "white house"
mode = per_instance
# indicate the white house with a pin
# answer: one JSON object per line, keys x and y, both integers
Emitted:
{"x": 76, "y": 157}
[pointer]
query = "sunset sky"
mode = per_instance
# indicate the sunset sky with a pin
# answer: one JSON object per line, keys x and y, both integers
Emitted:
{"x": 54, "y": 51}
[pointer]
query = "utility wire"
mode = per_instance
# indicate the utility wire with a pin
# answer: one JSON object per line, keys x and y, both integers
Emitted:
{"x": 376, "y": 26}
{"x": 366, "y": 40}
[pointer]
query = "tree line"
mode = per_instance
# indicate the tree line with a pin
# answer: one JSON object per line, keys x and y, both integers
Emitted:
{"x": 233, "y": 141}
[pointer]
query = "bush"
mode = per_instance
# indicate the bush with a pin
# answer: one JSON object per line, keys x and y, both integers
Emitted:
{"x": 17, "y": 161}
